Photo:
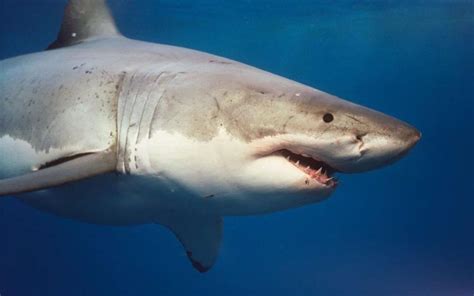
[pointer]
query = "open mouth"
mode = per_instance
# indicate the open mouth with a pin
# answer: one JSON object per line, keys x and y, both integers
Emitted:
{"x": 316, "y": 169}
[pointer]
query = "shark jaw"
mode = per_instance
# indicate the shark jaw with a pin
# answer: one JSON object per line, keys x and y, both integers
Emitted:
{"x": 228, "y": 168}
{"x": 315, "y": 169}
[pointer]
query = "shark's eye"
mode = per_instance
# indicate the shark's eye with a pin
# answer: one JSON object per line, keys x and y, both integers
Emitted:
{"x": 328, "y": 117}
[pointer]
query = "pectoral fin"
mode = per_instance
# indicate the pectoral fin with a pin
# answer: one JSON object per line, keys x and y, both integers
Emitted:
{"x": 200, "y": 236}
{"x": 61, "y": 171}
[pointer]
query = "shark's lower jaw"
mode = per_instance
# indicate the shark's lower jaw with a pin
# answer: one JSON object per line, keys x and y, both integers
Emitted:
{"x": 313, "y": 168}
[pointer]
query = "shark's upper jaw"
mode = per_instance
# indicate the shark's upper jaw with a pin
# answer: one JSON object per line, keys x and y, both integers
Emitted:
{"x": 316, "y": 169}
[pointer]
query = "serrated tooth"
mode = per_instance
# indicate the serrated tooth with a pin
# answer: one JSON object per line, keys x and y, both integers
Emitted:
{"x": 288, "y": 158}
{"x": 319, "y": 171}
{"x": 307, "y": 167}
{"x": 297, "y": 162}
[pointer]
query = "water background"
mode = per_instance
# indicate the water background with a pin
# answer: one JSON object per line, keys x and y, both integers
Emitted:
{"x": 404, "y": 230}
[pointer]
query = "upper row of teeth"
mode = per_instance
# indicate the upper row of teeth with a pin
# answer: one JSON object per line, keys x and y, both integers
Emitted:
{"x": 318, "y": 172}
{"x": 308, "y": 167}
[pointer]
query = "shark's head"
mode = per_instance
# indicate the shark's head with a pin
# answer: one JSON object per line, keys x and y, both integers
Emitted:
{"x": 237, "y": 134}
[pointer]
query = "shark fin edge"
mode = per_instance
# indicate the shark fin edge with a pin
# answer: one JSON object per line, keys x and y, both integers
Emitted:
{"x": 60, "y": 172}
{"x": 201, "y": 238}
{"x": 85, "y": 20}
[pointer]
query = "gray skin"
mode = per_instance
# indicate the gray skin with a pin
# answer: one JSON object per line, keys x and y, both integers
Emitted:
{"x": 102, "y": 92}
{"x": 88, "y": 101}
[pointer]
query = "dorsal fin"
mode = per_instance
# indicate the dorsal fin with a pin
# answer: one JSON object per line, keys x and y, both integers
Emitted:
{"x": 83, "y": 20}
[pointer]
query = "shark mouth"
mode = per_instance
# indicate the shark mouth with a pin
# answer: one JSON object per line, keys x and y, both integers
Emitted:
{"x": 316, "y": 169}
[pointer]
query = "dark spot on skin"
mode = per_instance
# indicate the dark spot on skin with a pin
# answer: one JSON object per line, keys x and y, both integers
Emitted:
{"x": 88, "y": 72}
{"x": 209, "y": 196}
{"x": 306, "y": 181}
{"x": 328, "y": 117}
{"x": 219, "y": 62}
{"x": 354, "y": 118}
{"x": 217, "y": 104}
{"x": 201, "y": 268}
{"x": 75, "y": 68}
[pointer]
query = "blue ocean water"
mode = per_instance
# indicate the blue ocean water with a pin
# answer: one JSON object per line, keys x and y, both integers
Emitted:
{"x": 404, "y": 230}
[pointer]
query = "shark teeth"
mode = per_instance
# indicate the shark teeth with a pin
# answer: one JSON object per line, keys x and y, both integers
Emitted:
{"x": 317, "y": 170}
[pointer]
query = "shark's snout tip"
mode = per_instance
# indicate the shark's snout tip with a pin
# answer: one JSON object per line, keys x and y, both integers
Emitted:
{"x": 414, "y": 137}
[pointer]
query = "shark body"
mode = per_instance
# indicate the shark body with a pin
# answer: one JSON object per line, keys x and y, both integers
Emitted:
{"x": 109, "y": 130}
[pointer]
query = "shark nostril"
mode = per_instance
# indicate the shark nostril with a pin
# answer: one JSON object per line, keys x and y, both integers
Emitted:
{"x": 362, "y": 148}
{"x": 360, "y": 136}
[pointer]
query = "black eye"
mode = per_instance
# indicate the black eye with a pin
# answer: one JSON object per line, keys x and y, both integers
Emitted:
{"x": 328, "y": 117}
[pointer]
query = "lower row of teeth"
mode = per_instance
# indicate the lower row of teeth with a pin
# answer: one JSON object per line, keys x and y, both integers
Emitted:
{"x": 319, "y": 174}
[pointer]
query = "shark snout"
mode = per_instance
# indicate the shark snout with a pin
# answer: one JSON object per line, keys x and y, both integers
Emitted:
{"x": 406, "y": 140}
{"x": 410, "y": 137}
{"x": 384, "y": 145}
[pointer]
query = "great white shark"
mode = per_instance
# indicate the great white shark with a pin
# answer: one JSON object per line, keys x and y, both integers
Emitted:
{"x": 109, "y": 130}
